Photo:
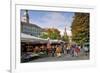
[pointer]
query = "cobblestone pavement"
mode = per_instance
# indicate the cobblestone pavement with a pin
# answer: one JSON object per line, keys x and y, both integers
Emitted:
{"x": 65, "y": 57}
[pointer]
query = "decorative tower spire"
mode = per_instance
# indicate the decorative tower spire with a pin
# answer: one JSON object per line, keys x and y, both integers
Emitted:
{"x": 65, "y": 32}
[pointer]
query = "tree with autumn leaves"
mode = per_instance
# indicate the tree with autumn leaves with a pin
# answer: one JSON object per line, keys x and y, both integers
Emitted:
{"x": 52, "y": 33}
{"x": 80, "y": 28}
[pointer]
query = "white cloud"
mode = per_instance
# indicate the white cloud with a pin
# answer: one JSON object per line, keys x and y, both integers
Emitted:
{"x": 53, "y": 20}
{"x": 69, "y": 33}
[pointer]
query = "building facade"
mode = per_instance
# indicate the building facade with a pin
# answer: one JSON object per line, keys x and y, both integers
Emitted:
{"x": 31, "y": 29}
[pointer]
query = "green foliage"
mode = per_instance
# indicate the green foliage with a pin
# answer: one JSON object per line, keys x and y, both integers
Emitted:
{"x": 52, "y": 33}
{"x": 80, "y": 28}
{"x": 44, "y": 35}
{"x": 65, "y": 38}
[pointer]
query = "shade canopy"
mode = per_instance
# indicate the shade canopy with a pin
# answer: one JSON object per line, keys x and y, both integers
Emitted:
{"x": 30, "y": 38}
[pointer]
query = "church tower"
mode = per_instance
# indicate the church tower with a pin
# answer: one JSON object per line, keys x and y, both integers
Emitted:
{"x": 65, "y": 32}
{"x": 25, "y": 17}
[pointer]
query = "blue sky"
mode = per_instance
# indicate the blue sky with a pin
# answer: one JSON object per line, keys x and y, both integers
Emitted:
{"x": 50, "y": 19}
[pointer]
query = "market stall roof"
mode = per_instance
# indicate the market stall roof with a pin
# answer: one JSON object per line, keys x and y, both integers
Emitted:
{"x": 30, "y": 38}
{"x": 56, "y": 41}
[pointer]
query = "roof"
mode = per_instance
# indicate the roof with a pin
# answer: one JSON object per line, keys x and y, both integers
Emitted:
{"x": 30, "y": 24}
{"x": 30, "y": 38}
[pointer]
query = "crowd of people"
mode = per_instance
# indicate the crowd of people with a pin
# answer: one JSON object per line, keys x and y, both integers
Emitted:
{"x": 57, "y": 50}
{"x": 53, "y": 50}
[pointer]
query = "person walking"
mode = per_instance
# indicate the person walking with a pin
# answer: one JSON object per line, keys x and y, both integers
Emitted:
{"x": 58, "y": 51}
{"x": 77, "y": 51}
{"x": 64, "y": 49}
{"x": 68, "y": 49}
{"x": 72, "y": 51}
{"x": 53, "y": 51}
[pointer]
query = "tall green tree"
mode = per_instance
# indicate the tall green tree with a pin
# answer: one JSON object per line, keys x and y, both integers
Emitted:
{"x": 80, "y": 28}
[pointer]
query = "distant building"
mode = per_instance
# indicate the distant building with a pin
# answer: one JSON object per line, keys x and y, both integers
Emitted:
{"x": 65, "y": 32}
{"x": 25, "y": 17}
{"x": 68, "y": 34}
{"x": 29, "y": 28}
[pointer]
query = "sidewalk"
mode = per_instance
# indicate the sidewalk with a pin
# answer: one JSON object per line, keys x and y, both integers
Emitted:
{"x": 66, "y": 57}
